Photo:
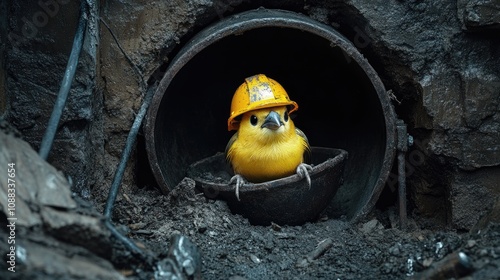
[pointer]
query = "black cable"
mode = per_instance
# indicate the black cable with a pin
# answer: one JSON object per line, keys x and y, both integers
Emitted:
{"x": 125, "y": 240}
{"x": 55, "y": 117}
{"x": 115, "y": 186}
{"x": 120, "y": 169}
{"x": 69, "y": 74}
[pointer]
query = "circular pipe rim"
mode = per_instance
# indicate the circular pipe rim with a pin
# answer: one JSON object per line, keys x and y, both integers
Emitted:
{"x": 261, "y": 18}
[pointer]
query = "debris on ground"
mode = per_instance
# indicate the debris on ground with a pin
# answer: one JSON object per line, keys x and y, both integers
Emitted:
{"x": 61, "y": 236}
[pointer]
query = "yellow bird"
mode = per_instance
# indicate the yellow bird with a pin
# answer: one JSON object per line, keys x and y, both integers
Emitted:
{"x": 267, "y": 145}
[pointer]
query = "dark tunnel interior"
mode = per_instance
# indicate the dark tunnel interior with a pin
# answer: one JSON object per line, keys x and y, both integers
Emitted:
{"x": 338, "y": 106}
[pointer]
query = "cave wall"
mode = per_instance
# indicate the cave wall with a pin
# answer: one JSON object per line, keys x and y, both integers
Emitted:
{"x": 38, "y": 39}
{"x": 441, "y": 60}
{"x": 449, "y": 93}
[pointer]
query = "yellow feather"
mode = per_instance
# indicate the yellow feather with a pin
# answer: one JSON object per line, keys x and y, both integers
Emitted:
{"x": 260, "y": 154}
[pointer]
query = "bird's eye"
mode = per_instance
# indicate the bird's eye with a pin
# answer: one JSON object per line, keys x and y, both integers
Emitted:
{"x": 286, "y": 116}
{"x": 253, "y": 120}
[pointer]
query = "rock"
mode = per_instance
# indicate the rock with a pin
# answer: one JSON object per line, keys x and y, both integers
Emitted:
{"x": 481, "y": 94}
{"x": 477, "y": 15}
{"x": 395, "y": 250}
{"x": 45, "y": 210}
{"x": 36, "y": 182}
{"x": 492, "y": 217}
{"x": 471, "y": 243}
{"x": 442, "y": 100}
{"x": 86, "y": 231}
{"x": 456, "y": 265}
{"x": 61, "y": 262}
{"x": 472, "y": 196}
{"x": 183, "y": 262}
{"x": 255, "y": 259}
{"x": 465, "y": 117}
{"x": 369, "y": 226}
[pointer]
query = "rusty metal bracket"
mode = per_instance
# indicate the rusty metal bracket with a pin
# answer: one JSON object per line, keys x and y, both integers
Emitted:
{"x": 403, "y": 141}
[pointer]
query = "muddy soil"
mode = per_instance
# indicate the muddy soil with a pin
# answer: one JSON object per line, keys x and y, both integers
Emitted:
{"x": 70, "y": 241}
{"x": 232, "y": 248}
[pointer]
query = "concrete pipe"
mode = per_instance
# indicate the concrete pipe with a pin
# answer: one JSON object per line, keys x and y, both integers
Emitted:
{"x": 343, "y": 103}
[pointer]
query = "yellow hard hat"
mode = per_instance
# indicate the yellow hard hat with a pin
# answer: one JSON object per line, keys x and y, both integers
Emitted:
{"x": 257, "y": 92}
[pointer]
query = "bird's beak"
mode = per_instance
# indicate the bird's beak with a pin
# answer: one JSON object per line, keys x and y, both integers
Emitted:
{"x": 272, "y": 121}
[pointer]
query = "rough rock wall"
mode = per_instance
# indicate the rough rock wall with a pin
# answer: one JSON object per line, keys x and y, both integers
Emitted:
{"x": 450, "y": 94}
{"x": 39, "y": 38}
{"x": 440, "y": 59}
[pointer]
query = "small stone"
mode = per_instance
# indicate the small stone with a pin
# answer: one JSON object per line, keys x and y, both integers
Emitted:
{"x": 483, "y": 252}
{"x": 255, "y": 259}
{"x": 479, "y": 14}
{"x": 369, "y": 226}
{"x": 427, "y": 262}
{"x": 144, "y": 232}
{"x": 137, "y": 226}
{"x": 302, "y": 262}
{"x": 395, "y": 250}
{"x": 470, "y": 243}
{"x": 275, "y": 227}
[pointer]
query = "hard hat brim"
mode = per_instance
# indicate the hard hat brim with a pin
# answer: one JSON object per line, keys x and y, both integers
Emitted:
{"x": 233, "y": 123}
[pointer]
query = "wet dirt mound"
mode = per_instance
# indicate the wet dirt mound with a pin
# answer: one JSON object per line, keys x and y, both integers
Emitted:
{"x": 231, "y": 248}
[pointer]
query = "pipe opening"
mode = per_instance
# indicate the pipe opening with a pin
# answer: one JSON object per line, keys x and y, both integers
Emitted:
{"x": 341, "y": 103}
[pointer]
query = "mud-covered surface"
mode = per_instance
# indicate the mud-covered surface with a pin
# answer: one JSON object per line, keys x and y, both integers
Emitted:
{"x": 68, "y": 239}
{"x": 232, "y": 248}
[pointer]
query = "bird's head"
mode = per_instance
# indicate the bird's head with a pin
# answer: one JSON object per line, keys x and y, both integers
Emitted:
{"x": 267, "y": 124}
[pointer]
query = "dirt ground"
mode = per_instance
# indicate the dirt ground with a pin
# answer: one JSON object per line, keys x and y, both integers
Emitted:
{"x": 70, "y": 241}
{"x": 375, "y": 248}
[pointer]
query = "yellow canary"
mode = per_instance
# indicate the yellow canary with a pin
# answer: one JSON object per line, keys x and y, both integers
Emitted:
{"x": 267, "y": 145}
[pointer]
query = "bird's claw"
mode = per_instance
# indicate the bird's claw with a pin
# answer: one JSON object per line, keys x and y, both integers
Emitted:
{"x": 240, "y": 181}
{"x": 303, "y": 171}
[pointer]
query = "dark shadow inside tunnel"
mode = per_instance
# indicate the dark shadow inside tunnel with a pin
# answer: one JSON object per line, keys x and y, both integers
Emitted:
{"x": 338, "y": 105}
